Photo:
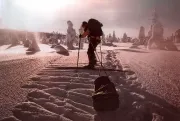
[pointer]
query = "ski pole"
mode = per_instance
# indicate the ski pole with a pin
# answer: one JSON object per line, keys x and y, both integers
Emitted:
{"x": 78, "y": 53}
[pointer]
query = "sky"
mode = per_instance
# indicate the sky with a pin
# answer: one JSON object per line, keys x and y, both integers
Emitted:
{"x": 116, "y": 15}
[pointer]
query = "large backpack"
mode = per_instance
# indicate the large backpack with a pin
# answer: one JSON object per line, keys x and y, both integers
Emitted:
{"x": 94, "y": 27}
{"x": 105, "y": 97}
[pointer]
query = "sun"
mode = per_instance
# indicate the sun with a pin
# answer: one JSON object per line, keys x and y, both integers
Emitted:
{"x": 43, "y": 6}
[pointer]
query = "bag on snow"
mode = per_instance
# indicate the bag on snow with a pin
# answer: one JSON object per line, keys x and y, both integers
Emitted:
{"x": 105, "y": 97}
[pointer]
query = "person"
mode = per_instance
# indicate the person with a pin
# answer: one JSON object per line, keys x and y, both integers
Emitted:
{"x": 94, "y": 37}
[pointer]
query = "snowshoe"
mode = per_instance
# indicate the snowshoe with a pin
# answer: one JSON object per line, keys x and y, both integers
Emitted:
{"x": 89, "y": 67}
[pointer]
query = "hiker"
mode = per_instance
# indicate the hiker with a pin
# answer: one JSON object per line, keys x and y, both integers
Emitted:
{"x": 92, "y": 30}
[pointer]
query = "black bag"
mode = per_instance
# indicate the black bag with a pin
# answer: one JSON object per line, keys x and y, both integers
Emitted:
{"x": 105, "y": 97}
{"x": 94, "y": 27}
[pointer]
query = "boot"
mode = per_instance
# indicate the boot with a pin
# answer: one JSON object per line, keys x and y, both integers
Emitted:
{"x": 94, "y": 62}
{"x": 91, "y": 65}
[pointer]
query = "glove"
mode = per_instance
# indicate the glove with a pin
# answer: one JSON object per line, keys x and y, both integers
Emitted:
{"x": 80, "y": 36}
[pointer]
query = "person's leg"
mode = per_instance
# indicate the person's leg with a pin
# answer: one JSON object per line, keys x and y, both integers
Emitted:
{"x": 95, "y": 44}
{"x": 89, "y": 66}
{"x": 90, "y": 53}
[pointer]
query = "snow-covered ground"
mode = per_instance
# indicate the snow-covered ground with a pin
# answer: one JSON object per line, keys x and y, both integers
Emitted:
{"x": 15, "y": 68}
{"x": 18, "y": 52}
{"x": 157, "y": 70}
{"x": 59, "y": 93}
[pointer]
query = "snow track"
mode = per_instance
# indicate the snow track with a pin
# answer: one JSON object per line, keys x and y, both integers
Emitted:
{"x": 60, "y": 95}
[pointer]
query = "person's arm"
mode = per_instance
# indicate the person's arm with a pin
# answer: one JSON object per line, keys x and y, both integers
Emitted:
{"x": 86, "y": 33}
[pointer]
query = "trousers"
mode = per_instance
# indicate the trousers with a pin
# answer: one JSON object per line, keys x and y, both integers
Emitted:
{"x": 93, "y": 43}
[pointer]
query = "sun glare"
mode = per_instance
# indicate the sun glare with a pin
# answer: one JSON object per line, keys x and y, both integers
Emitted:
{"x": 44, "y": 6}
